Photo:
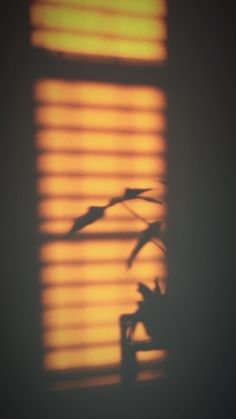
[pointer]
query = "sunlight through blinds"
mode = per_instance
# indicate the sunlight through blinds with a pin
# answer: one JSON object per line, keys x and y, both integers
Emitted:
{"x": 101, "y": 29}
{"x": 93, "y": 140}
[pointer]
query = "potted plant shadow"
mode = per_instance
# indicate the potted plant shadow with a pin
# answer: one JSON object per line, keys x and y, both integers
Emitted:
{"x": 152, "y": 310}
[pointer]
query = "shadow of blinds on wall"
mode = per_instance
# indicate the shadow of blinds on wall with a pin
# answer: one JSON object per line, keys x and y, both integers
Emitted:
{"x": 93, "y": 140}
{"x": 125, "y": 30}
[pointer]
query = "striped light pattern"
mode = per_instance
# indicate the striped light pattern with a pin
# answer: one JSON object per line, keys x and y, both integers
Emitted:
{"x": 93, "y": 141}
{"x": 102, "y": 29}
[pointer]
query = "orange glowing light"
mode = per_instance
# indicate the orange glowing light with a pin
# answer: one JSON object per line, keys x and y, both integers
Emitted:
{"x": 147, "y": 7}
{"x": 92, "y": 336}
{"x": 69, "y": 43}
{"x": 62, "y": 116}
{"x": 105, "y": 94}
{"x": 63, "y": 359}
{"x": 93, "y": 141}
{"x": 95, "y": 22}
{"x": 101, "y": 30}
{"x": 96, "y": 250}
{"x": 106, "y": 142}
{"x": 54, "y": 185}
{"x": 92, "y": 381}
{"x": 61, "y": 226}
{"x": 66, "y": 209}
{"x": 64, "y": 274}
{"x": 63, "y": 163}
{"x": 151, "y": 356}
{"x": 80, "y": 317}
{"x": 96, "y": 336}
{"x": 87, "y": 295}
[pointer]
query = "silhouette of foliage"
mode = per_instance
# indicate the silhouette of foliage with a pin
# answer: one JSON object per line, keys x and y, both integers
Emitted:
{"x": 152, "y": 311}
{"x": 144, "y": 290}
{"x": 133, "y": 194}
{"x": 153, "y": 231}
{"x": 93, "y": 214}
{"x": 150, "y": 234}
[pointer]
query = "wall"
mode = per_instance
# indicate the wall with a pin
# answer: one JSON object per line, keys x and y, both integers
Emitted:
{"x": 201, "y": 242}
